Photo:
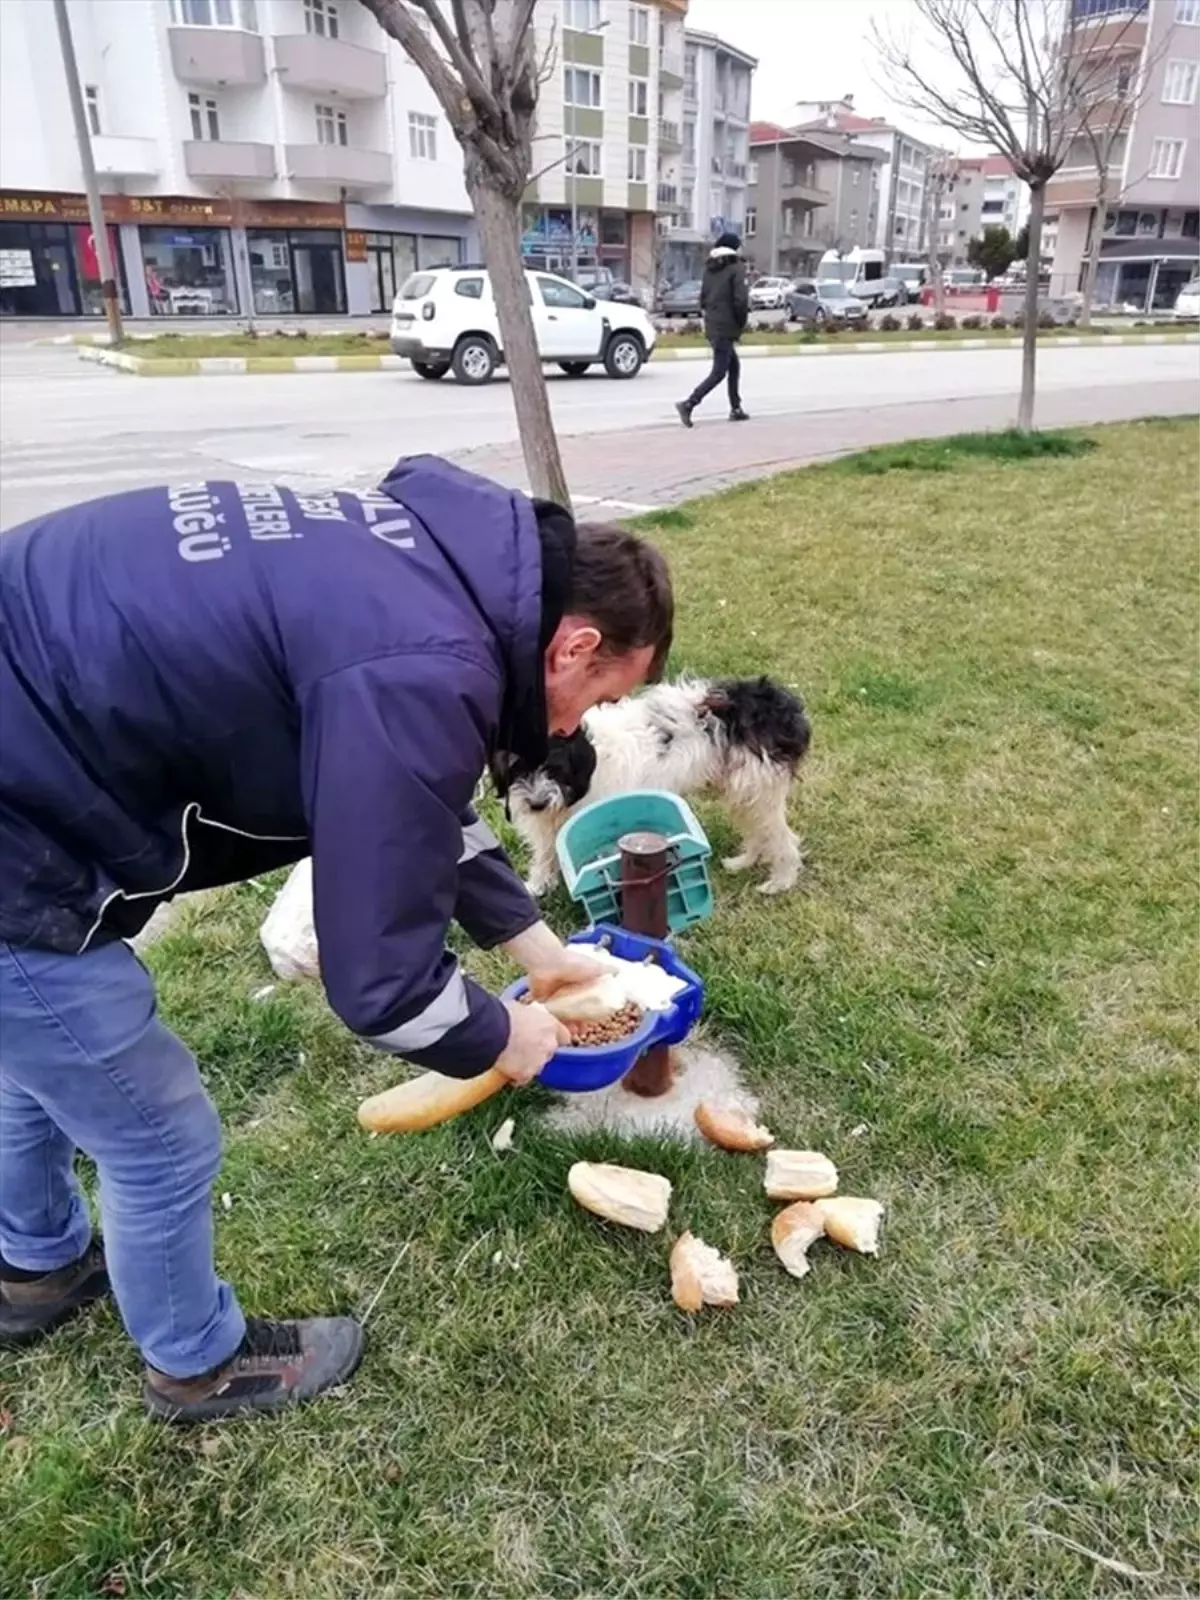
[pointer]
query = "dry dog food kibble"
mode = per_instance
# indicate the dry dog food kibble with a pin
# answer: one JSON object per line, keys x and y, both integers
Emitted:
{"x": 587, "y": 1035}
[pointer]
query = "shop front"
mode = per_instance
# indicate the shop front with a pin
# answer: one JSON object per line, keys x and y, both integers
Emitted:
{"x": 296, "y": 256}
{"x": 386, "y": 244}
{"x": 556, "y": 240}
{"x": 48, "y": 260}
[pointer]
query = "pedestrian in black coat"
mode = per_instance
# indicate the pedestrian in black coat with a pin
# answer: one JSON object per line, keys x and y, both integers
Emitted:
{"x": 725, "y": 302}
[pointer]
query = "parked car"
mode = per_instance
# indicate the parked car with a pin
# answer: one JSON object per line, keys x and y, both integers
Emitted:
{"x": 914, "y": 275}
{"x": 600, "y": 283}
{"x": 826, "y": 301}
{"x": 444, "y": 320}
{"x": 769, "y": 294}
{"x": 889, "y": 291}
{"x": 681, "y": 301}
{"x": 1187, "y": 301}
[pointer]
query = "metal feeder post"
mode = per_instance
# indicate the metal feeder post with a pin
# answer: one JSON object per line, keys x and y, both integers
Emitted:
{"x": 644, "y": 871}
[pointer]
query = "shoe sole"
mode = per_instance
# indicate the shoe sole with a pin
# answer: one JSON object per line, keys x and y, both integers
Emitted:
{"x": 17, "y": 1330}
{"x": 219, "y": 1410}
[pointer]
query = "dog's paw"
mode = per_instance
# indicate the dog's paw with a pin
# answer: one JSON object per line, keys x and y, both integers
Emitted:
{"x": 741, "y": 863}
{"x": 778, "y": 885}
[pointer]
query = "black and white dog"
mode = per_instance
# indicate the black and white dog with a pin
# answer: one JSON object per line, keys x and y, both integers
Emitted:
{"x": 740, "y": 738}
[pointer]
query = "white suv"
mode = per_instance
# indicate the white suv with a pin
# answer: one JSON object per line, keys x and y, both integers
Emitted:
{"x": 444, "y": 320}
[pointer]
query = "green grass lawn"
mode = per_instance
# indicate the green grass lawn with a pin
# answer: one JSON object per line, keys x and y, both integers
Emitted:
{"x": 982, "y": 1006}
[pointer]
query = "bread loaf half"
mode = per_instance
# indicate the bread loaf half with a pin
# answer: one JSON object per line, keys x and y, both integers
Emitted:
{"x": 730, "y": 1128}
{"x": 425, "y": 1101}
{"x": 799, "y": 1175}
{"x": 792, "y": 1231}
{"x": 621, "y": 1194}
{"x": 700, "y": 1275}
{"x": 851, "y": 1221}
{"x": 593, "y": 1001}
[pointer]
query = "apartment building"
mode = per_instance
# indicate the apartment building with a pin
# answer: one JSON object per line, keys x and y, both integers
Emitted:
{"x": 810, "y": 192}
{"x": 1005, "y": 199}
{"x": 255, "y": 156}
{"x": 960, "y": 206}
{"x": 1150, "y": 243}
{"x": 902, "y": 216}
{"x": 609, "y": 135}
{"x": 703, "y": 185}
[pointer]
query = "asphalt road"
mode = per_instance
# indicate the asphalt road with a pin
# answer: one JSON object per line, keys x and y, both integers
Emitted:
{"x": 70, "y": 430}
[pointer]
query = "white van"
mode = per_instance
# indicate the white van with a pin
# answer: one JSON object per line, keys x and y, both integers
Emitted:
{"x": 862, "y": 271}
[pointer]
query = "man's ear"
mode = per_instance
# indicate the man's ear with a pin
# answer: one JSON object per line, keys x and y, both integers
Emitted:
{"x": 576, "y": 642}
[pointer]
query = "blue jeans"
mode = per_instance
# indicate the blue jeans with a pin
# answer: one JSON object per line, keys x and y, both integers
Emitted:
{"x": 86, "y": 1064}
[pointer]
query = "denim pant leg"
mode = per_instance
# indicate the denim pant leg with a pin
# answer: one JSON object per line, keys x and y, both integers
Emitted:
{"x": 80, "y": 1036}
{"x": 735, "y": 379}
{"x": 722, "y": 353}
{"x": 44, "y": 1222}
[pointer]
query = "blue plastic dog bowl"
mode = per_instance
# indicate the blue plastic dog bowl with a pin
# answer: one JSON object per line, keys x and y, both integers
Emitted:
{"x": 577, "y": 1070}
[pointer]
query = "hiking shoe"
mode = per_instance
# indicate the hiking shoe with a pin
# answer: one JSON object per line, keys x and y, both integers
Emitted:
{"x": 738, "y": 415}
{"x": 31, "y": 1307}
{"x": 685, "y": 413}
{"x": 277, "y": 1364}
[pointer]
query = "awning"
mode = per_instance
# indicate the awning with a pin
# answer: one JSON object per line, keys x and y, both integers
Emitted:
{"x": 1146, "y": 249}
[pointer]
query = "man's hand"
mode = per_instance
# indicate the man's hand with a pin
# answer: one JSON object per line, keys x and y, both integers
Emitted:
{"x": 534, "y": 1035}
{"x": 550, "y": 964}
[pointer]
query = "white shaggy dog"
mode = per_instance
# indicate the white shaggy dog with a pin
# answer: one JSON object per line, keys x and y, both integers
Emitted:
{"x": 742, "y": 739}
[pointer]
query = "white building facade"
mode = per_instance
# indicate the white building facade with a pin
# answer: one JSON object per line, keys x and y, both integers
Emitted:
{"x": 255, "y": 156}
{"x": 702, "y": 190}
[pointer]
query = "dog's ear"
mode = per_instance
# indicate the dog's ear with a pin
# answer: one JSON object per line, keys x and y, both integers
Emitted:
{"x": 583, "y": 761}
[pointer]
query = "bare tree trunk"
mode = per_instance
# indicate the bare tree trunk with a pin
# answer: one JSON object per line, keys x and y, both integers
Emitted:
{"x": 1092, "y": 268}
{"x": 499, "y": 220}
{"x": 1033, "y": 261}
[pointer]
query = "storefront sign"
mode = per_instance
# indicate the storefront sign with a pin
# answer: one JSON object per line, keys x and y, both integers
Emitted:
{"x": 43, "y": 207}
{"x": 155, "y": 210}
{"x": 290, "y": 214}
{"x": 356, "y": 246}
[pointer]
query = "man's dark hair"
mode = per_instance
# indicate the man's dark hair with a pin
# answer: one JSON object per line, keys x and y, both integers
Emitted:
{"x": 622, "y": 585}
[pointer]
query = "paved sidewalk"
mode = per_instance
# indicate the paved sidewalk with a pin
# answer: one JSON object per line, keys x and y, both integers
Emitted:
{"x": 647, "y": 467}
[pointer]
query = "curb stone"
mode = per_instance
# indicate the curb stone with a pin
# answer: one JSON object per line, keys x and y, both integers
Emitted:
{"x": 251, "y": 366}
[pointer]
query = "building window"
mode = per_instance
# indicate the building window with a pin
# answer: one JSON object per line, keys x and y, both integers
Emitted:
{"x": 751, "y": 221}
{"x": 321, "y": 16}
{"x": 206, "y": 124}
{"x": 189, "y": 272}
{"x": 1166, "y": 158}
{"x": 582, "y": 15}
{"x": 581, "y": 88}
{"x": 1179, "y": 83}
{"x": 855, "y": 175}
{"x": 91, "y": 103}
{"x": 331, "y": 125}
{"x": 1191, "y": 225}
{"x": 422, "y": 136}
{"x": 639, "y": 97}
{"x": 637, "y": 163}
{"x": 584, "y": 158}
{"x": 639, "y": 25}
{"x": 752, "y": 172}
{"x": 215, "y": 14}
{"x": 1188, "y": 12}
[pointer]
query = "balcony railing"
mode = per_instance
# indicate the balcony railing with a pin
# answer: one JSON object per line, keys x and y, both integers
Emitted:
{"x": 668, "y": 196}
{"x": 670, "y": 64}
{"x": 668, "y": 133}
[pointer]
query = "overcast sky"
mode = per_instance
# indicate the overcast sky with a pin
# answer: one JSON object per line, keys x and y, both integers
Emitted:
{"x": 810, "y": 50}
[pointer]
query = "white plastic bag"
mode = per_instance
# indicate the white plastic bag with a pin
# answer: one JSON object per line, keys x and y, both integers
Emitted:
{"x": 288, "y": 935}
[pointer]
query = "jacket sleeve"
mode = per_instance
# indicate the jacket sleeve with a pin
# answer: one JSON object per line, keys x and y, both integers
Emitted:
{"x": 391, "y": 752}
{"x": 740, "y": 297}
{"x": 493, "y": 905}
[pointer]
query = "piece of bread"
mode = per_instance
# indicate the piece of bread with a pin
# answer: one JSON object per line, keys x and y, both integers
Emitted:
{"x": 621, "y": 1194}
{"x": 731, "y": 1128}
{"x": 700, "y": 1275}
{"x": 852, "y": 1221}
{"x": 593, "y": 1001}
{"x": 793, "y": 1230}
{"x": 799, "y": 1175}
{"x": 425, "y": 1101}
